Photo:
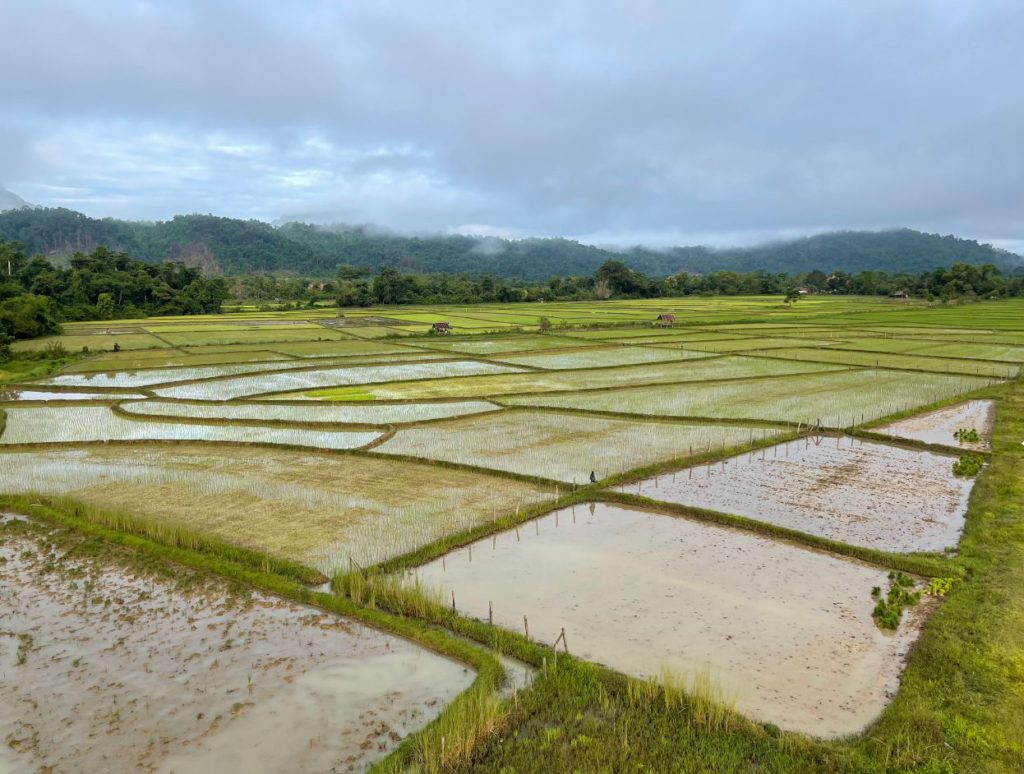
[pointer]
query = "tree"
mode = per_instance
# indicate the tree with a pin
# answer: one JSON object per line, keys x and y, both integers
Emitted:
{"x": 105, "y": 307}
{"x": 352, "y": 293}
{"x": 5, "y": 347}
{"x": 27, "y": 316}
{"x": 621, "y": 279}
{"x": 544, "y": 324}
{"x": 792, "y": 296}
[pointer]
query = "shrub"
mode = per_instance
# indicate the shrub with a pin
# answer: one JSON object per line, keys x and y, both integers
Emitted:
{"x": 963, "y": 435}
{"x": 54, "y": 350}
{"x": 889, "y": 610}
{"x": 968, "y": 466}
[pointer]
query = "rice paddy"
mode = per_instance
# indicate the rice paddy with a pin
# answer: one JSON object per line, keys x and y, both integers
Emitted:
{"x": 285, "y": 381}
{"x": 563, "y": 446}
{"x": 86, "y": 424}
{"x": 679, "y": 504}
{"x": 320, "y": 413}
{"x": 943, "y": 426}
{"x": 323, "y": 510}
{"x": 856, "y": 492}
{"x": 701, "y": 370}
{"x": 838, "y": 399}
{"x": 202, "y": 679}
{"x": 784, "y": 633}
{"x": 601, "y": 358}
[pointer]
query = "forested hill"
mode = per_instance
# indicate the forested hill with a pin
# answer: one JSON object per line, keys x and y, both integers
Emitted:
{"x": 231, "y": 246}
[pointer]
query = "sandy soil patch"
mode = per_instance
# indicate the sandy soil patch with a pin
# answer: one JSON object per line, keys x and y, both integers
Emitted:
{"x": 786, "y": 631}
{"x": 866, "y": 494}
{"x": 103, "y": 668}
{"x": 941, "y": 425}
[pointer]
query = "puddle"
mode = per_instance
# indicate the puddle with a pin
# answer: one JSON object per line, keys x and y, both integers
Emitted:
{"x": 939, "y": 426}
{"x": 865, "y": 494}
{"x": 125, "y": 672}
{"x": 784, "y": 630}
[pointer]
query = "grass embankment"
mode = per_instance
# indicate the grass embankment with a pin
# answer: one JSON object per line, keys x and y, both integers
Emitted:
{"x": 961, "y": 706}
{"x": 25, "y": 366}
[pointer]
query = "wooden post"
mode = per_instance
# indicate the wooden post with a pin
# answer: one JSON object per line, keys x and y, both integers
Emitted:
{"x": 490, "y": 613}
{"x": 453, "y": 600}
{"x": 565, "y": 643}
{"x": 526, "y": 627}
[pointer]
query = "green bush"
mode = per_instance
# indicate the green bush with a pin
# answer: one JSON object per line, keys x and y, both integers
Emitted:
{"x": 963, "y": 435}
{"x": 968, "y": 466}
{"x": 889, "y": 610}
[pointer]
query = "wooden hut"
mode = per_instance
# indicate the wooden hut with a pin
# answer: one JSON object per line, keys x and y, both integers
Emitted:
{"x": 441, "y": 327}
{"x": 665, "y": 320}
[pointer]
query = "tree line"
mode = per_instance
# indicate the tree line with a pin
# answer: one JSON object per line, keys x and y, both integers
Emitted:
{"x": 614, "y": 279}
{"x": 36, "y": 296}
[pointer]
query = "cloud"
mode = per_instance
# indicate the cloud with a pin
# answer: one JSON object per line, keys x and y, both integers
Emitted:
{"x": 621, "y": 122}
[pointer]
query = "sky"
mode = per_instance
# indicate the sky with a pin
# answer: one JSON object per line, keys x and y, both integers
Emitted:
{"x": 637, "y": 122}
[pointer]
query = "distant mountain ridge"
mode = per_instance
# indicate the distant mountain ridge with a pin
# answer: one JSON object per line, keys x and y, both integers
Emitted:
{"x": 11, "y": 201}
{"x": 232, "y": 246}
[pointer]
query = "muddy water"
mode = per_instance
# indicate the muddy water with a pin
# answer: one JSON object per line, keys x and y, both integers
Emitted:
{"x": 939, "y": 426}
{"x": 866, "y": 494}
{"x": 123, "y": 672}
{"x": 787, "y": 632}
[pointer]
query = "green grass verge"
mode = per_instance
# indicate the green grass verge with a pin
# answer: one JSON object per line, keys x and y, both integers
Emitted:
{"x": 961, "y": 706}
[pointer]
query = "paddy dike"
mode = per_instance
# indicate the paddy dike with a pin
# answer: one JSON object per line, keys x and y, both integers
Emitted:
{"x": 785, "y": 632}
{"x": 866, "y": 494}
{"x": 106, "y": 668}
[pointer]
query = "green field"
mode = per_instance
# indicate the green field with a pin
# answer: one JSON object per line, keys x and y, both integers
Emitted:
{"x": 273, "y": 446}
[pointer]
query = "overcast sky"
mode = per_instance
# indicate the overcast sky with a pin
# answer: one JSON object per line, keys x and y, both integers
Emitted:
{"x": 653, "y": 122}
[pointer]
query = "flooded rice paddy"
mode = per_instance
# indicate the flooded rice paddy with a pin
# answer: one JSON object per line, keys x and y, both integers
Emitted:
{"x": 76, "y": 424}
{"x": 786, "y": 632}
{"x": 47, "y": 395}
{"x": 940, "y": 426}
{"x": 323, "y": 510}
{"x": 105, "y": 668}
{"x": 566, "y": 447}
{"x": 862, "y": 493}
{"x": 319, "y": 412}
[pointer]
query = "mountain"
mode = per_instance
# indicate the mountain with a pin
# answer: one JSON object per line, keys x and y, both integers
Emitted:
{"x": 10, "y": 200}
{"x": 231, "y": 246}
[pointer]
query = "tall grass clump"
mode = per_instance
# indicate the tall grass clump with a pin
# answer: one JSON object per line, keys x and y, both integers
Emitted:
{"x": 177, "y": 536}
